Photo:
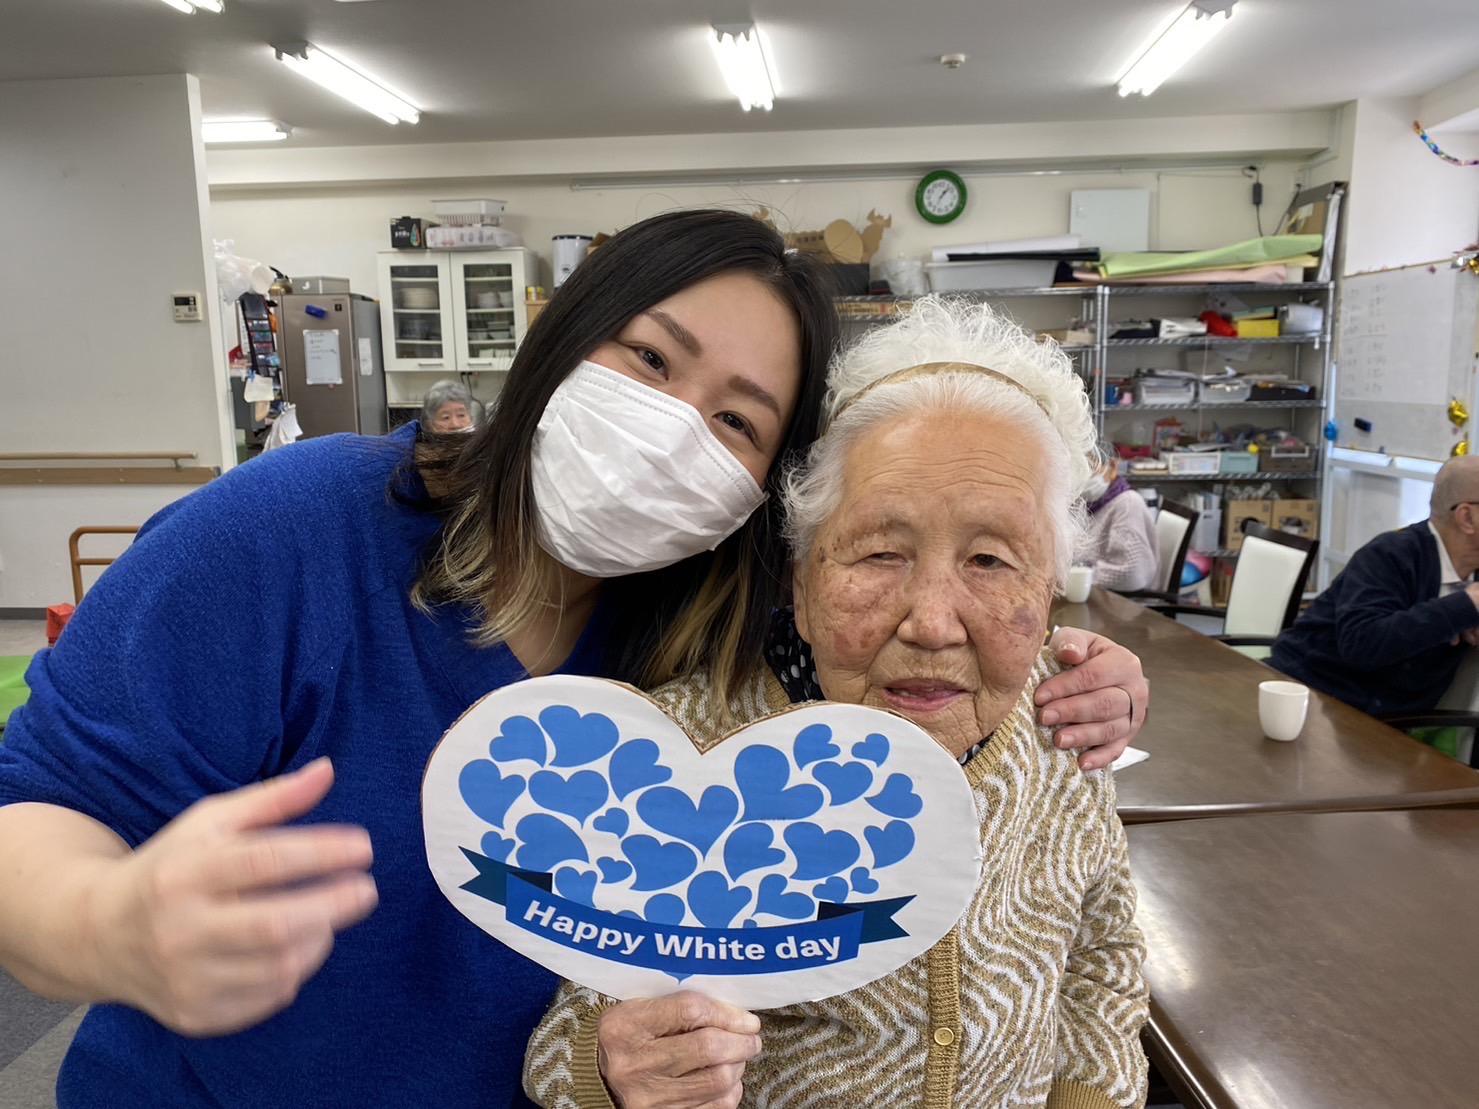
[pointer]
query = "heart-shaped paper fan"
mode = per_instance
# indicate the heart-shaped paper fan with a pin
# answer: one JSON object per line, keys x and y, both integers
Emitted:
{"x": 807, "y": 854}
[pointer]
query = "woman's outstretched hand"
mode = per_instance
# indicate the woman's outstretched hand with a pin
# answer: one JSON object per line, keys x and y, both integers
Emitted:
{"x": 215, "y": 923}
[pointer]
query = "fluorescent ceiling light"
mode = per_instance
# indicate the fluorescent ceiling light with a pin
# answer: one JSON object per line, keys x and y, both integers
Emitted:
{"x": 1192, "y": 30}
{"x": 190, "y": 6}
{"x": 344, "y": 80}
{"x": 741, "y": 58}
{"x": 242, "y": 130}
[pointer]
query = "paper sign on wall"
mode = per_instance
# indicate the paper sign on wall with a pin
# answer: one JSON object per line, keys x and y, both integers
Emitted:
{"x": 321, "y": 357}
{"x": 805, "y": 855}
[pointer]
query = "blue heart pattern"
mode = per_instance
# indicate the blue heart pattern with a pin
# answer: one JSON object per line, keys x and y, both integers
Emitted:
{"x": 665, "y": 908}
{"x": 775, "y": 900}
{"x": 497, "y": 847}
{"x": 519, "y": 738}
{"x": 576, "y": 885}
{"x": 670, "y": 811}
{"x": 844, "y": 781}
{"x": 818, "y": 853}
{"x": 761, "y": 774}
{"x": 614, "y": 870}
{"x": 487, "y": 792}
{"x": 897, "y": 798}
{"x": 739, "y": 825}
{"x": 890, "y": 844}
{"x": 658, "y": 865}
{"x": 578, "y": 795}
{"x": 578, "y": 739}
{"x": 635, "y": 765}
{"x": 714, "y": 901}
{"x": 814, "y": 743}
{"x": 614, "y": 821}
{"x": 749, "y": 848}
{"x": 545, "y": 841}
{"x": 834, "y": 889}
{"x": 874, "y": 749}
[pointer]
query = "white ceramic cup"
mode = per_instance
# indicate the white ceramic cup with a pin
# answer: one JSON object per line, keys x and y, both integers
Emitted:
{"x": 1080, "y": 581}
{"x": 1282, "y": 707}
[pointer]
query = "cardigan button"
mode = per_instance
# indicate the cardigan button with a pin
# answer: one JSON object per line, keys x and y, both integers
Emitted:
{"x": 944, "y": 1036}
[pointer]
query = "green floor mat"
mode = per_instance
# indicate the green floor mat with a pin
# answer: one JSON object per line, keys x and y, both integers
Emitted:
{"x": 13, "y": 691}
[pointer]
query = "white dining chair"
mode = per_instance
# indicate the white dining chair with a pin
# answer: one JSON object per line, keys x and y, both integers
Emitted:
{"x": 1273, "y": 568}
{"x": 1173, "y": 528}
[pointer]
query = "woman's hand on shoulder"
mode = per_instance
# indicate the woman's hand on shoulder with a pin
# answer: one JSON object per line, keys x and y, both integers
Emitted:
{"x": 683, "y": 1051}
{"x": 1099, "y": 702}
{"x": 215, "y": 923}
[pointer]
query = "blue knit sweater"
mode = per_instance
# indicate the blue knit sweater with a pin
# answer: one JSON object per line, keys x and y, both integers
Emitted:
{"x": 1380, "y": 637}
{"x": 253, "y": 626}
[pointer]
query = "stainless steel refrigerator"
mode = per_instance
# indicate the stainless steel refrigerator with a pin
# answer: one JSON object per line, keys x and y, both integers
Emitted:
{"x": 333, "y": 370}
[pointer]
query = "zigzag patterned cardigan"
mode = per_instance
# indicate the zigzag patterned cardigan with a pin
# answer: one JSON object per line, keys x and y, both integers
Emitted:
{"x": 1035, "y": 998}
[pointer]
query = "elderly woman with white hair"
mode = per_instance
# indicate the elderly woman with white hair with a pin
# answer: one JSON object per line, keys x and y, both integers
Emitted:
{"x": 449, "y": 406}
{"x": 930, "y": 523}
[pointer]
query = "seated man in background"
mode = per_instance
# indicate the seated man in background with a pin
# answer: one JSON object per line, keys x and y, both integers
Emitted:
{"x": 1121, "y": 541}
{"x": 1390, "y": 632}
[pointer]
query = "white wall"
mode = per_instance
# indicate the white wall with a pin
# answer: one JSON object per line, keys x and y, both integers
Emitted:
{"x": 338, "y": 231}
{"x": 751, "y": 154}
{"x": 1406, "y": 205}
{"x": 104, "y": 183}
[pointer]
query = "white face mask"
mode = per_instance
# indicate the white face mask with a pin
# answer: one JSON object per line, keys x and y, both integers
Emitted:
{"x": 627, "y": 478}
{"x": 1095, "y": 487}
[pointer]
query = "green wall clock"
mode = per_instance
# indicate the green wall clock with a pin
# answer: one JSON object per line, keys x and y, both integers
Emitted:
{"x": 940, "y": 196}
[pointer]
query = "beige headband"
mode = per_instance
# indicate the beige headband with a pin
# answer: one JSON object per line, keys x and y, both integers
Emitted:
{"x": 930, "y": 369}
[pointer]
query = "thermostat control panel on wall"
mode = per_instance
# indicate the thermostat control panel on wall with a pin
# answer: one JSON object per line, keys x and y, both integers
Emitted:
{"x": 187, "y": 307}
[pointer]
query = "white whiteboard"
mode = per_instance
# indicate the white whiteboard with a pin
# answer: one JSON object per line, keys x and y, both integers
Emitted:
{"x": 1406, "y": 344}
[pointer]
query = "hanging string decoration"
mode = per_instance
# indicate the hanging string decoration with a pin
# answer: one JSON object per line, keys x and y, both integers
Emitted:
{"x": 1438, "y": 150}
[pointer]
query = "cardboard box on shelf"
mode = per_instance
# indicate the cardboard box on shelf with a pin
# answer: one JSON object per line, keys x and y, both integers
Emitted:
{"x": 839, "y": 242}
{"x": 1238, "y": 514}
{"x": 1298, "y": 517}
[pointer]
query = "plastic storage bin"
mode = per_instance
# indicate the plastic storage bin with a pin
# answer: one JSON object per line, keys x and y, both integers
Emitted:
{"x": 1239, "y": 462}
{"x": 1194, "y": 462}
{"x": 1297, "y": 460}
{"x": 1008, "y": 273}
{"x": 1226, "y": 392}
{"x": 1165, "y": 390}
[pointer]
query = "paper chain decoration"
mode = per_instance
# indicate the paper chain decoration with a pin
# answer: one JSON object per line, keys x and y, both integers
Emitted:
{"x": 1438, "y": 150}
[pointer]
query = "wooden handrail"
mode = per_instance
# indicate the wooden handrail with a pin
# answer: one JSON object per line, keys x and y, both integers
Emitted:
{"x": 93, "y": 456}
{"x": 80, "y": 468}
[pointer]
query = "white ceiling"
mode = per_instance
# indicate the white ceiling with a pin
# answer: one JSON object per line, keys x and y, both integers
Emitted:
{"x": 514, "y": 69}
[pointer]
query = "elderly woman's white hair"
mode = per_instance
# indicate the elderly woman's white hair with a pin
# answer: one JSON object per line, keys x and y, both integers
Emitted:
{"x": 1047, "y": 395}
{"x": 447, "y": 392}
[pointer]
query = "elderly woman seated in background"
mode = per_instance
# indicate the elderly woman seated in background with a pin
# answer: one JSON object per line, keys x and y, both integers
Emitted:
{"x": 1121, "y": 542}
{"x": 449, "y": 406}
{"x": 930, "y": 525}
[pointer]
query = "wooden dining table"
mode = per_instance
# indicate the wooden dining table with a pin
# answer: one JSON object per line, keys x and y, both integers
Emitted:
{"x": 1306, "y": 961}
{"x": 1208, "y": 754}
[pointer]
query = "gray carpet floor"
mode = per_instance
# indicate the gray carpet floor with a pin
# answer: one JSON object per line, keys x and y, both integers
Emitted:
{"x": 34, "y": 1035}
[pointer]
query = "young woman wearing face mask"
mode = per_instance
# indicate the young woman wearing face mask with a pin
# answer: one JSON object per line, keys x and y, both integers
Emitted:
{"x": 317, "y": 618}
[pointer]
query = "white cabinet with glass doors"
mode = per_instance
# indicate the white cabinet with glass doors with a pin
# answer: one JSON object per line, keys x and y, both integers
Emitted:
{"x": 458, "y": 314}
